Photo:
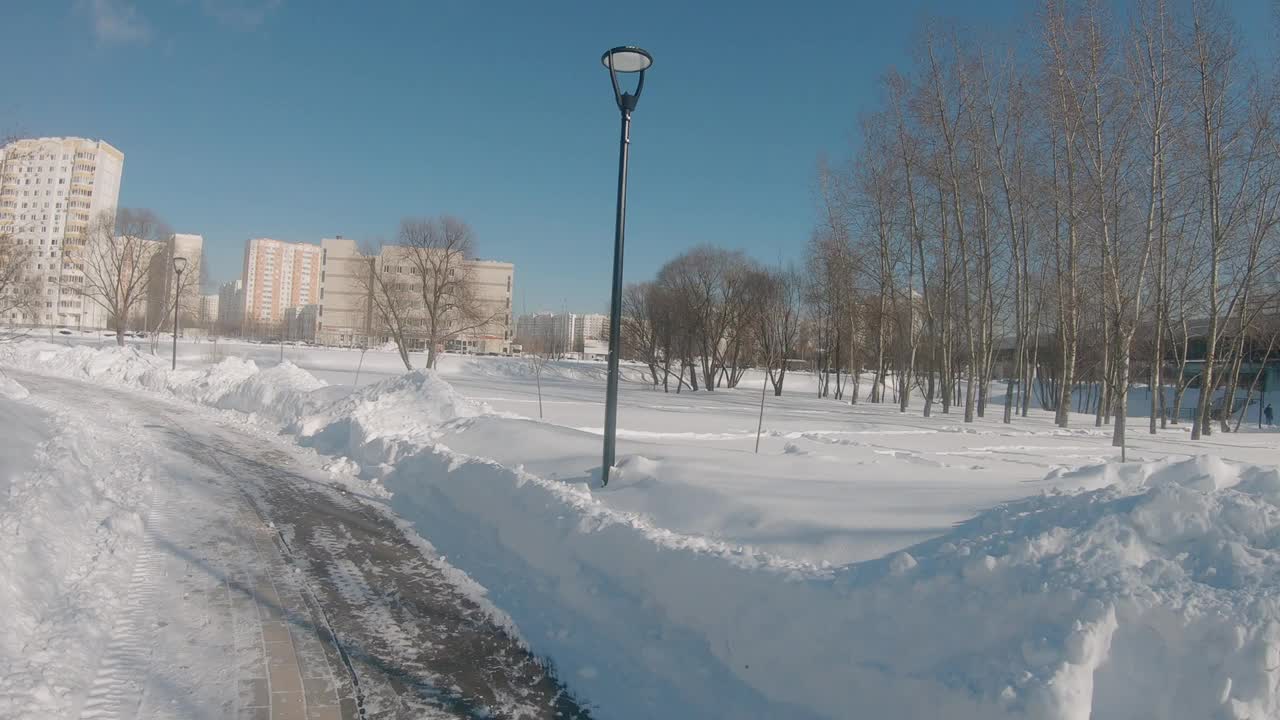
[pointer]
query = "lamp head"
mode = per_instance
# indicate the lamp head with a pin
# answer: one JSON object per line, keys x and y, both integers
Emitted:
{"x": 627, "y": 59}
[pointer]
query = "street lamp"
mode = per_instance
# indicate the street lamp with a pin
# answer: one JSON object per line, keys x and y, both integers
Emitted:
{"x": 179, "y": 264}
{"x": 624, "y": 59}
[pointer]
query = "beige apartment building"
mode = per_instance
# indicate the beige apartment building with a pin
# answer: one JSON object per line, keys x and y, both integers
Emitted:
{"x": 51, "y": 188}
{"x": 160, "y": 284}
{"x": 277, "y": 276}
{"x": 345, "y": 316}
{"x": 345, "y": 313}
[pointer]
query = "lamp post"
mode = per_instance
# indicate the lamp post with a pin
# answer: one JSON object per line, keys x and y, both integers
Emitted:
{"x": 624, "y": 59}
{"x": 179, "y": 264}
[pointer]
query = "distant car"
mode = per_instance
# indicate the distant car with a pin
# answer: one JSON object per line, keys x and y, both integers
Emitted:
{"x": 64, "y": 332}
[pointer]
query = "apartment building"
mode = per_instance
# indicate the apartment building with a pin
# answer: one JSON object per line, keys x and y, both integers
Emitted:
{"x": 231, "y": 306}
{"x": 300, "y": 323}
{"x": 161, "y": 283}
{"x": 561, "y": 334}
{"x": 51, "y": 189}
{"x": 207, "y": 311}
{"x": 590, "y": 334}
{"x": 345, "y": 315}
{"x": 492, "y": 281}
{"x": 278, "y": 275}
{"x": 546, "y": 333}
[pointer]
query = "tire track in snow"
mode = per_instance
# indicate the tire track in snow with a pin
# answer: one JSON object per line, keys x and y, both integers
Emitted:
{"x": 118, "y": 687}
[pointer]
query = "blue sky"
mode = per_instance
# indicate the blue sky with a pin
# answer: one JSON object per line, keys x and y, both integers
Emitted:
{"x": 302, "y": 119}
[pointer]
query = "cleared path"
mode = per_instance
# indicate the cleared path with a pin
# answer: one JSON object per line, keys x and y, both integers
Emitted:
{"x": 265, "y": 590}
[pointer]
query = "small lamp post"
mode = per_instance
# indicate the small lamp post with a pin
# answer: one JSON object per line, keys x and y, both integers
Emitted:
{"x": 624, "y": 59}
{"x": 179, "y": 265}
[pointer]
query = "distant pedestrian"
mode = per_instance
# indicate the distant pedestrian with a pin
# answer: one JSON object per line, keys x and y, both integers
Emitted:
{"x": 1269, "y": 414}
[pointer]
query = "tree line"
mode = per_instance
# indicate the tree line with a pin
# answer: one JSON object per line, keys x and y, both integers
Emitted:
{"x": 1087, "y": 204}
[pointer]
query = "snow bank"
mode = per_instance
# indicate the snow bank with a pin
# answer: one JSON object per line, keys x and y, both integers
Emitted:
{"x": 1143, "y": 590}
{"x": 1151, "y": 597}
{"x": 281, "y": 393}
{"x": 1136, "y": 589}
{"x": 379, "y": 422}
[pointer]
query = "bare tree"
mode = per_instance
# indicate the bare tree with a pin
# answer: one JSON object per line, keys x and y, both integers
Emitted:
{"x": 18, "y": 288}
{"x": 1064, "y": 131}
{"x": 167, "y": 288}
{"x": 908, "y": 151}
{"x": 1226, "y": 160}
{"x": 640, "y": 339}
{"x": 779, "y": 319}
{"x": 449, "y": 300}
{"x": 713, "y": 288}
{"x": 115, "y": 260}
{"x": 390, "y": 293}
{"x": 19, "y": 284}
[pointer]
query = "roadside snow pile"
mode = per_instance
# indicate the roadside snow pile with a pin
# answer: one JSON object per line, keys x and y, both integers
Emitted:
{"x": 379, "y": 422}
{"x": 1152, "y": 597}
{"x": 281, "y": 393}
{"x": 116, "y": 365}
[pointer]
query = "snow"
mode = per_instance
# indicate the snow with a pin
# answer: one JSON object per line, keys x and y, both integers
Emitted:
{"x": 864, "y": 563}
{"x": 12, "y": 389}
{"x": 71, "y": 523}
{"x": 409, "y": 408}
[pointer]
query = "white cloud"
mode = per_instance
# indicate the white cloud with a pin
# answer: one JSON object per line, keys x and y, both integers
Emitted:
{"x": 241, "y": 14}
{"x": 116, "y": 22}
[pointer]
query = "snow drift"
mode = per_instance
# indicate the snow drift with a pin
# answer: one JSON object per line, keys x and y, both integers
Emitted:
{"x": 1153, "y": 597}
{"x": 1143, "y": 590}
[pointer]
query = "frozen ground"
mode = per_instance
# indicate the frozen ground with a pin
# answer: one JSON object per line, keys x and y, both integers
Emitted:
{"x": 864, "y": 563}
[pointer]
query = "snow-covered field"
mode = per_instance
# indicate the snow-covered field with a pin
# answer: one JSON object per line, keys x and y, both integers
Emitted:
{"x": 864, "y": 563}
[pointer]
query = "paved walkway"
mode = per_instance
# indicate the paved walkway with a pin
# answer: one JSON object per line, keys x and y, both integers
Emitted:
{"x": 264, "y": 591}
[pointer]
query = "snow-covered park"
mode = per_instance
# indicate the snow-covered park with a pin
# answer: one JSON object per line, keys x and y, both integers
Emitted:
{"x": 862, "y": 563}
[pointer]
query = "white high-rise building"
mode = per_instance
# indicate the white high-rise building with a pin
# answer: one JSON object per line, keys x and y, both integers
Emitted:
{"x": 560, "y": 334}
{"x": 51, "y": 189}
{"x": 207, "y": 317}
{"x": 590, "y": 334}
